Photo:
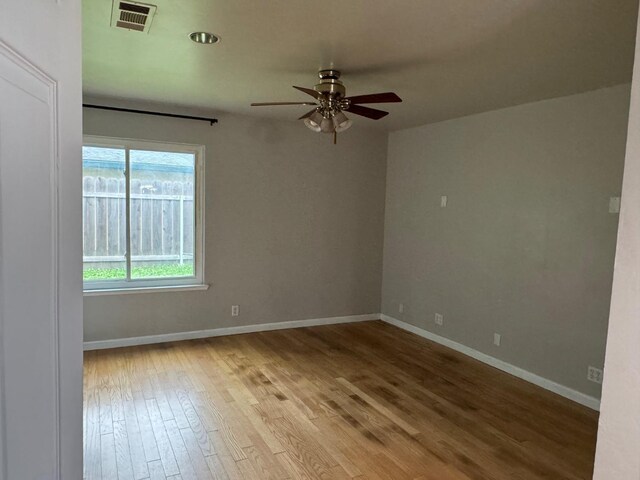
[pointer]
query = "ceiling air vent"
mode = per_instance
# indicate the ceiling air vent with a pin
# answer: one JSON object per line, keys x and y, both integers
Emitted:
{"x": 132, "y": 15}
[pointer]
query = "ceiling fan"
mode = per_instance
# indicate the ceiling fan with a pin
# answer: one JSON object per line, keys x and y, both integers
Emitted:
{"x": 328, "y": 115}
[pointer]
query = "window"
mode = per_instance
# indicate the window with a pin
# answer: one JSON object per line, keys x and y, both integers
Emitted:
{"x": 142, "y": 214}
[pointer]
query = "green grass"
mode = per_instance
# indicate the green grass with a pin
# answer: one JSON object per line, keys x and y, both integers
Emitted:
{"x": 146, "y": 271}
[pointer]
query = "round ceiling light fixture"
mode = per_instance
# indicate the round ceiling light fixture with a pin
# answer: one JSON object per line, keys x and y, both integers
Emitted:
{"x": 204, "y": 38}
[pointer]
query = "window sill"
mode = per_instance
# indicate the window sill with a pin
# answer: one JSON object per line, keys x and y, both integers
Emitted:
{"x": 130, "y": 290}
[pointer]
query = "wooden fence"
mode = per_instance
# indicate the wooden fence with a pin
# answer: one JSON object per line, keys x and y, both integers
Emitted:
{"x": 162, "y": 216}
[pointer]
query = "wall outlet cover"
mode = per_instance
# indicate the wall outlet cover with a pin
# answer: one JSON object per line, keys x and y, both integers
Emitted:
{"x": 439, "y": 319}
{"x": 401, "y": 308}
{"x": 443, "y": 201}
{"x": 235, "y": 310}
{"x": 595, "y": 374}
{"x": 497, "y": 339}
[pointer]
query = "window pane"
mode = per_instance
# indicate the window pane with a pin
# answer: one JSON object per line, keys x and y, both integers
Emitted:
{"x": 103, "y": 213}
{"x": 162, "y": 214}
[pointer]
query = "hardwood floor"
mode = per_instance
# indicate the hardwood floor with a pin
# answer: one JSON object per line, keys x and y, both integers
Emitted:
{"x": 364, "y": 401}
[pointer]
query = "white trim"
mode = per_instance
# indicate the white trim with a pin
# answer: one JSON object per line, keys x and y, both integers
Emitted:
{"x": 219, "y": 332}
{"x": 127, "y": 212}
{"x": 55, "y": 267}
{"x": 139, "y": 284}
{"x": 130, "y": 290}
{"x": 545, "y": 383}
{"x": 51, "y": 100}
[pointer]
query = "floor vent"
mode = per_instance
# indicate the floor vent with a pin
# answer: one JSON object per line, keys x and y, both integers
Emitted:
{"x": 132, "y": 15}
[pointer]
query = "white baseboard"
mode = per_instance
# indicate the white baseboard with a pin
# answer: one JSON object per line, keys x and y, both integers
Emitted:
{"x": 219, "y": 332}
{"x": 545, "y": 383}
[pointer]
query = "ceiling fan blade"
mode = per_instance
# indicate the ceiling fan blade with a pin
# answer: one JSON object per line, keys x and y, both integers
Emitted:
{"x": 307, "y": 115}
{"x": 308, "y": 91}
{"x": 367, "y": 112}
{"x": 281, "y": 103}
{"x": 386, "y": 97}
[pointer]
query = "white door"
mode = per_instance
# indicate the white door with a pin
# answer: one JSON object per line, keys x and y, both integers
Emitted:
{"x": 40, "y": 249}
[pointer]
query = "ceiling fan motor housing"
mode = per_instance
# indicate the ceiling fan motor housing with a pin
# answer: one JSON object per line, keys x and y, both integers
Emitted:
{"x": 330, "y": 83}
{"x": 333, "y": 92}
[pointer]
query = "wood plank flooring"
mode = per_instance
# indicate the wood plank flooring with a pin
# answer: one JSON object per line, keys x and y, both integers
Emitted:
{"x": 361, "y": 401}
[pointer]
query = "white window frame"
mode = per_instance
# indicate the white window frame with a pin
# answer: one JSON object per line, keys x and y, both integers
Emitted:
{"x": 195, "y": 282}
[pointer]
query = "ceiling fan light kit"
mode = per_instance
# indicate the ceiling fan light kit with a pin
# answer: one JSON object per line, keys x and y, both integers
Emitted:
{"x": 314, "y": 121}
{"x": 341, "y": 122}
{"x": 326, "y": 126}
{"x": 331, "y": 103}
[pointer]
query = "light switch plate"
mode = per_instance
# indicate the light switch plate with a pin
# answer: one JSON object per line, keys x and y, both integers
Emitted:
{"x": 614, "y": 205}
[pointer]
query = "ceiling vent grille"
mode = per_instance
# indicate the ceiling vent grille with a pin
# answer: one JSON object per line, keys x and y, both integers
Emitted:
{"x": 132, "y": 15}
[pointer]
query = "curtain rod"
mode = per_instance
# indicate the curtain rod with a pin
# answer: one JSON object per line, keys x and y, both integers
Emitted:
{"x": 146, "y": 112}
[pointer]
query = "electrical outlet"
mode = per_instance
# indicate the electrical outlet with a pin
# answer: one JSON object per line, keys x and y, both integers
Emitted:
{"x": 439, "y": 319}
{"x": 401, "y": 308}
{"x": 594, "y": 374}
{"x": 443, "y": 201}
{"x": 235, "y": 310}
{"x": 497, "y": 339}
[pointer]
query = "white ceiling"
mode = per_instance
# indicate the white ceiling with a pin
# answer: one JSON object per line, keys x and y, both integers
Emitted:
{"x": 445, "y": 58}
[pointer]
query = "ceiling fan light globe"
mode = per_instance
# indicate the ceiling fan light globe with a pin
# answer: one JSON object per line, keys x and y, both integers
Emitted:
{"x": 316, "y": 117}
{"x": 312, "y": 125}
{"x": 341, "y": 122}
{"x": 344, "y": 126}
{"x": 326, "y": 126}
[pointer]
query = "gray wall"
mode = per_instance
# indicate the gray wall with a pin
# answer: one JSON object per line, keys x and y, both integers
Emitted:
{"x": 294, "y": 226}
{"x": 526, "y": 245}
